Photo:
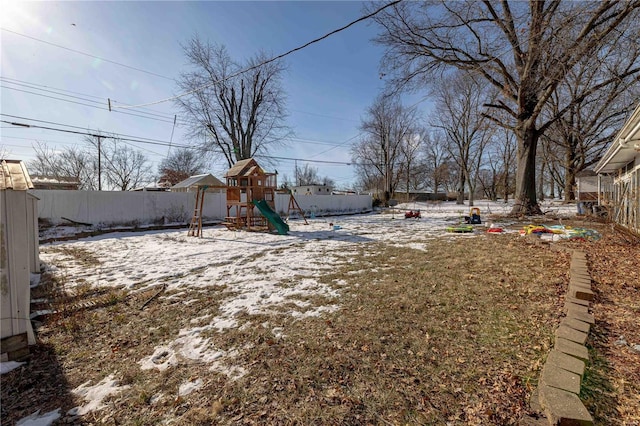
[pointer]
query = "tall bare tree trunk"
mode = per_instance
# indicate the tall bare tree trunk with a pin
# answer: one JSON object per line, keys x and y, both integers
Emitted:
{"x": 461, "y": 181}
{"x": 526, "y": 199}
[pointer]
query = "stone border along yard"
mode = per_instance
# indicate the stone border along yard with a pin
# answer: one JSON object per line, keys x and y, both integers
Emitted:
{"x": 561, "y": 377}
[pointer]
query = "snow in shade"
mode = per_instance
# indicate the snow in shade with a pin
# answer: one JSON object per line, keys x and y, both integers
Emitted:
{"x": 7, "y": 366}
{"x": 37, "y": 419}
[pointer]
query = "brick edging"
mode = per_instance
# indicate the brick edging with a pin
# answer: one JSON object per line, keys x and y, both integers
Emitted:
{"x": 561, "y": 377}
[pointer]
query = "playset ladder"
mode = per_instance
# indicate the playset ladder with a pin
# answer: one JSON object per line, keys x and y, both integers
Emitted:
{"x": 293, "y": 205}
{"x": 195, "y": 227}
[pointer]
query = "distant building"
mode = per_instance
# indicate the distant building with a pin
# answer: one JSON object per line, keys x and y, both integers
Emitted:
{"x": 312, "y": 190}
{"x": 192, "y": 183}
{"x": 55, "y": 182}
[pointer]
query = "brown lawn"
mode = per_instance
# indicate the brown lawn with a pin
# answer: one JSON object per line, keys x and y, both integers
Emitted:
{"x": 456, "y": 334}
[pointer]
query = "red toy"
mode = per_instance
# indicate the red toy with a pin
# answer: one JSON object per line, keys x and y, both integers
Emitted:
{"x": 412, "y": 214}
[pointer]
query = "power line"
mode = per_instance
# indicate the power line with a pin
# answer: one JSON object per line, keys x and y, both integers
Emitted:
{"x": 97, "y": 104}
{"x": 273, "y": 157}
{"x": 337, "y": 146}
{"x": 273, "y": 59}
{"x": 85, "y": 104}
{"x": 100, "y": 98}
{"x": 75, "y": 127}
{"x": 87, "y": 54}
{"x": 149, "y": 141}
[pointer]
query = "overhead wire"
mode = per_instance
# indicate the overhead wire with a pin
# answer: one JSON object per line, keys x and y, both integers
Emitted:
{"x": 76, "y": 127}
{"x": 96, "y": 105}
{"x": 99, "y": 105}
{"x": 153, "y": 112}
{"x": 87, "y": 54}
{"x": 100, "y": 98}
{"x": 268, "y": 61}
{"x": 129, "y": 138}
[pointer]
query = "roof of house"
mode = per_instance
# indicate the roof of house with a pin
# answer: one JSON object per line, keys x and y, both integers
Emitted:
{"x": 14, "y": 175}
{"x": 200, "y": 180}
{"x": 625, "y": 146}
{"x": 50, "y": 182}
{"x": 243, "y": 168}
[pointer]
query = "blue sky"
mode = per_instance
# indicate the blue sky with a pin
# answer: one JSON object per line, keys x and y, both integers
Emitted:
{"x": 329, "y": 85}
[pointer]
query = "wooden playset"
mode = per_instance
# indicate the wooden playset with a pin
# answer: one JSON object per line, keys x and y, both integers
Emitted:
{"x": 248, "y": 182}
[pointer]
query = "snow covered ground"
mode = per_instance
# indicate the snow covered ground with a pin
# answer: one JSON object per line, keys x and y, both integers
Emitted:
{"x": 260, "y": 271}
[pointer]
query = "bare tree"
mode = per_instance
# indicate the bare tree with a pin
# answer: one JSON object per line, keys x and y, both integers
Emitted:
{"x": 231, "y": 113}
{"x": 4, "y": 152}
{"x": 591, "y": 119}
{"x": 180, "y": 164}
{"x": 387, "y": 125}
{"x": 436, "y": 159}
{"x": 309, "y": 175}
{"x": 70, "y": 162}
{"x": 507, "y": 153}
{"x": 411, "y": 165}
{"x": 523, "y": 49}
{"x": 124, "y": 168}
{"x": 458, "y": 103}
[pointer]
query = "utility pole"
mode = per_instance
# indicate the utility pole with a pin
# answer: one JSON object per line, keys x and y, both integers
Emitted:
{"x": 99, "y": 166}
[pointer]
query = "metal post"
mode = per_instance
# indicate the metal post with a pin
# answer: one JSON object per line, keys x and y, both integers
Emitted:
{"x": 99, "y": 166}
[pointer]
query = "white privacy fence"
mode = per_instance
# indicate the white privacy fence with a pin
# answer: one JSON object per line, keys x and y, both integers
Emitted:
{"x": 325, "y": 205}
{"x": 125, "y": 207}
{"x": 150, "y": 207}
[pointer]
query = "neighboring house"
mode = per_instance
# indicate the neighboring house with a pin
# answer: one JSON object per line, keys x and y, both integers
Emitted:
{"x": 157, "y": 187}
{"x": 53, "y": 182}
{"x": 191, "y": 184}
{"x": 18, "y": 257}
{"x": 311, "y": 190}
{"x": 621, "y": 162}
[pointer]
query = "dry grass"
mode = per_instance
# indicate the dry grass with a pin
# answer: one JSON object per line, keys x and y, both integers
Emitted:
{"x": 612, "y": 381}
{"x": 452, "y": 335}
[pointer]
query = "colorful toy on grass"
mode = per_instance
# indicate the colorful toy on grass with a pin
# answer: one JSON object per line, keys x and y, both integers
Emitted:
{"x": 412, "y": 214}
{"x": 459, "y": 228}
{"x": 494, "y": 229}
{"x": 564, "y": 232}
{"x": 474, "y": 216}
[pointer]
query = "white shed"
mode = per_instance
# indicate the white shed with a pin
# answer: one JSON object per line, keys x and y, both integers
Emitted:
{"x": 18, "y": 257}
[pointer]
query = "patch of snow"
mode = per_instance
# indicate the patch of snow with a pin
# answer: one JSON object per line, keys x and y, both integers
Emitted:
{"x": 34, "y": 280}
{"x": 233, "y": 372}
{"x": 189, "y": 386}
{"x": 94, "y": 395}
{"x": 7, "y": 366}
{"x": 36, "y": 314}
{"x": 278, "y": 332}
{"x": 36, "y": 419}
{"x": 255, "y": 273}
{"x": 199, "y": 319}
{"x": 315, "y": 312}
{"x": 157, "y": 398}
